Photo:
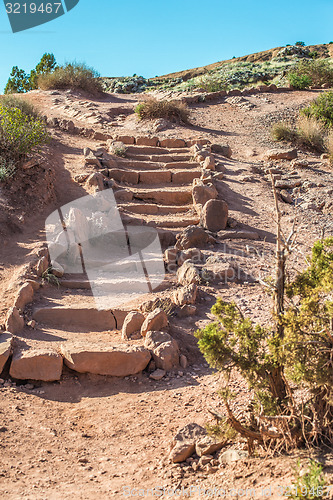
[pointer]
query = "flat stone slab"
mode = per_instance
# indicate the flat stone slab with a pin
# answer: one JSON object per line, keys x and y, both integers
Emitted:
{"x": 87, "y": 318}
{"x": 114, "y": 360}
{"x": 36, "y": 364}
{"x": 5, "y": 348}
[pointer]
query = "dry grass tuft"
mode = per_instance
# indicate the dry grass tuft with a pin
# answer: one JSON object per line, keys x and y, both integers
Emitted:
{"x": 152, "y": 108}
{"x": 283, "y": 131}
{"x": 311, "y": 132}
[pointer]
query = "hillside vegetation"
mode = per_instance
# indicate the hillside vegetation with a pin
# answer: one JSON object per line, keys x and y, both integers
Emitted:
{"x": 270, "y": 66}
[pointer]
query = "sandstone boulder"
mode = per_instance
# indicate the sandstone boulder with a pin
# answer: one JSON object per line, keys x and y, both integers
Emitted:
{"x": 192, "y": 236}
{"x": 132, "y": 324}
{"x": 278, "y": 154}
{"x": 223, "y": 149}
{"x": 24, "y": 296}
{"x": 42, "y": 265}
{"x": 36, "y": 364}
{"x": 194, "y": 254}
{"x": 14, "y": 322}
{"x": 96, "y": 181}
{"x": 202, "y": 193}
{"x": 207, "y": 445}
{"x": 164, "y": 349}
{"x": 156, "y": 320}
{"x": 115, "y": 360}
{"x": 57, "y": 269}
{"x": 185, "y": 295}
{"x": 183, "y": 445}
{"x": 6, "y": 340}
{"x": 188, "y": 273}
{"x": 209, "y": 163}
{"x": 214, "y": 215}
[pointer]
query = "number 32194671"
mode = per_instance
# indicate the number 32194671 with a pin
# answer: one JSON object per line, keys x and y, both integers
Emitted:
{"x": 33, "y": 8}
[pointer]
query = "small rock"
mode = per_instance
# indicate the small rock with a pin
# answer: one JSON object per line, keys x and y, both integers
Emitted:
{"x": 230, "y": 456}
{"x": 157, "y": 374}
{"x": 183, "y": 361}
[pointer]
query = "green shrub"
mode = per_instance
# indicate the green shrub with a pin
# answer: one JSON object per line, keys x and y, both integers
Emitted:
{"x": 170, "y": 110}
{"x": 20, "y": 134}
{"x": 300, "y": 44}
{"x": 321, "y": 108}
{"x": 282, "y": 131}
{"x": 297, "y": 348}
{"x": 71, "y": 76}
{"x": 309, "y": 485}
{"x": 299, "y": 82}
{"x": 311, "y": 72}
{"x": 213, "y": 83}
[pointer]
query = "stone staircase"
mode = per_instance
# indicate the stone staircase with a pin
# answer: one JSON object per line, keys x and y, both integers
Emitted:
{"x": 62, "y": 324}
{"x": 160, "y": 180}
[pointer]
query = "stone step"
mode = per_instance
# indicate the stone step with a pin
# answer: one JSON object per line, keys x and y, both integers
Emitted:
{"x": 155, "y": 150}
{"x": 172, "y": 221}
{"x": 152, "y": 209}
{"x": 44, "y": 361}
{"x": 162, "y": 158}
{"x": 164, "y": 196}
{"x": 85, "y": 318}
{"x": 159, "y": 176}
{"x": 139, "y": 164}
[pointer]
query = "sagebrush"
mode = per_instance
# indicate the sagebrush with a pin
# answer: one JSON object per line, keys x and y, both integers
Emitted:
{"x": 75, "y": 76}
{"x": 152, "y": 108}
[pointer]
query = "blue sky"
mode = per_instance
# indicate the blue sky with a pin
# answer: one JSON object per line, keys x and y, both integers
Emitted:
{"x": 156, "y": 37}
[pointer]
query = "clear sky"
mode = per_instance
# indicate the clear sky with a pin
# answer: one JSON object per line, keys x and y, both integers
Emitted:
{"x": 151, "y": 38}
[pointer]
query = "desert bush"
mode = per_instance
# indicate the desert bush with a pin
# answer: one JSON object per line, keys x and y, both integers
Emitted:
{"x": 283, "y": 131}
{"x": 71, "y": 76}
{"x": 312, "y": 72}
{"x": 170, "y": 110}
{"x": 213, "y": 82}
{"x": 311, "y": 132}
{"x": 299, "y": 82}
{"x": 321, "y": 108}
{"x": 27, "y": 108}
{"x": 20, "y": 133}
{"x": 297, "y": 349}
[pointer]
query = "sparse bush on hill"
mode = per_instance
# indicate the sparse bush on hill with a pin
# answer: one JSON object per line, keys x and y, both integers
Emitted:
{"x": 170, "y": 110}
{"x": 321, "y": 108}
{"x": 20, "y": 133}
{"x": 71, "y": 76}
{"x": 309, "y": 73}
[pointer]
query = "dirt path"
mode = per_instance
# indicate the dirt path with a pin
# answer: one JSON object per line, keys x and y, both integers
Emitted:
{"x": 95, "y": 437}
